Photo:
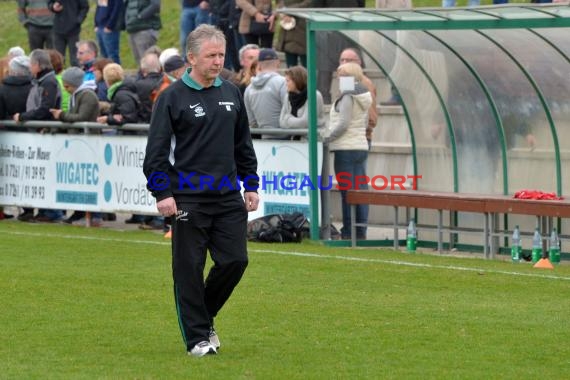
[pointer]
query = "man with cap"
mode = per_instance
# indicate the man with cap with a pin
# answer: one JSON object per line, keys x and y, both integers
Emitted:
{"x": 174, "y": 67}
{"x": 267, "y": 92}
{"x": 83, "y": 104}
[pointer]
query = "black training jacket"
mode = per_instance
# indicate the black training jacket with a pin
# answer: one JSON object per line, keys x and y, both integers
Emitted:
{"x": 207, "y": 132}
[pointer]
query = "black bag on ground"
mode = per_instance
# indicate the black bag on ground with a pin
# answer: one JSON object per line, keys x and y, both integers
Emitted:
{"x": 278, "y": 228}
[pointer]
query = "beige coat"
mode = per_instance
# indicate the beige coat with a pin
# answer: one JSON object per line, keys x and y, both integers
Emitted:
{"x": 394, "y": 4}
{"x": 250, "y": 8}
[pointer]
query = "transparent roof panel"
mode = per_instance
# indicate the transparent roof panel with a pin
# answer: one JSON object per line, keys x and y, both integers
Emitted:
{"x": 484, "y": 90}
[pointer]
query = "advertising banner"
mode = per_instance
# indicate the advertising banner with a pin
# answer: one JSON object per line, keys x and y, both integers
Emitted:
{"x": 104, "y": 173}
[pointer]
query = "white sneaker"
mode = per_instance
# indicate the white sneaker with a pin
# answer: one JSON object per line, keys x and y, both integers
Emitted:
{"x": 203, "y": 348}
{"x": 214, "y": 340}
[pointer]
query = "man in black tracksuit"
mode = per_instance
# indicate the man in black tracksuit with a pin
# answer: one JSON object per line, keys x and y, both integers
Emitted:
{"x": 198, "y": 144}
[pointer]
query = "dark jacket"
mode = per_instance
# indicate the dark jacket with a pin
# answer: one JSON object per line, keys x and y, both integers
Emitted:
{"x": 44, "y": 95}
{"x": 109, "y": 16}
{"x": 142, "y": 15}
{"x": 125, "y": 102}
{"x": 13, "y": 95}
{"x": 145, "y": 87}
{"x": 69, "y": 20}
{"x": 212, "y": 139}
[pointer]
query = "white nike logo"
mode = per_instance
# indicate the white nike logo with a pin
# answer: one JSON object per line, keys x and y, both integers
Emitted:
{"x": 195, "y": 105}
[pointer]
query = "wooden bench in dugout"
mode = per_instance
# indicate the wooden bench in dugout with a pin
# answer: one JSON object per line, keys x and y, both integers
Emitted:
{"x": 491, "y": 206}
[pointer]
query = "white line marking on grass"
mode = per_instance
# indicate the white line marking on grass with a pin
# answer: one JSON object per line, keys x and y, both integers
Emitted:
{"x": 410, "y": 264}
{"x": 304, "y": 254}
{"x": 83, "y": 237}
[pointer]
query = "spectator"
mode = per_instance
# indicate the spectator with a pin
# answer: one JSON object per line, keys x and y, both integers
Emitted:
{"x": 346, "y": 135}
{"x": 84, "y": 104}
{"x": 194, "y": 13}
{"x": 247, "y": 55}
{"x": 98, "y": 67}
{"x": 68, "y": 17}
{"x": 57, "y": 62}
{"x": 43, "y": 96}
{"x": 292, "y": 39}
{"x": 14, "y": 91}
{"x": 15, "y": 51}
{"x": 44, "y": 93}
{"x": 149, "y": 83}
{"x": 265, "y": 96}
{"x": 107, "y": 28}
{"x": 354, "y": 55}
{"x": 36, "y": 17}
{"x": 226, "y": 15}
{"x": 256, "y": 23}
{"x": 15, "y": 87}
{"x": 142, "y": 21}
{"x": 167, "y": 53}
{"x": 174, "y": 67}
{"x": 86, "y": 54}
{"x": 123, "y": 97}
{"x": 294, "y": 113}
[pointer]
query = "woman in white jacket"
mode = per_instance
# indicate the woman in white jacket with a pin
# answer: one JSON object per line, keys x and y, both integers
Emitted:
{"x": 295, "y": 111}
{"x": 346, "y": 136}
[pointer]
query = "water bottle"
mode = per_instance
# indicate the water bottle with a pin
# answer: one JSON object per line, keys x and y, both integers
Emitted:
{"x": 411, "y": 237}
{"x": 536, "y": 246}
{"x": 516, "y": 248}
{"x": 554, "y": 248}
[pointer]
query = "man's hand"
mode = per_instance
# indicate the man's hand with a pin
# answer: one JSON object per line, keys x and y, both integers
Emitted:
{"x": 16, "y": 117}
{"x": 167, "y": 207}
{"x": 251, "y": 201}
{"x": 102, "y": 119}
{"x": 57, "y": 7}
{"x": 56, "y": 113}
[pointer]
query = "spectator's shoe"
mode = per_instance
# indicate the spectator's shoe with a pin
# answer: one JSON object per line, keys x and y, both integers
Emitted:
{"x": 214, "y": 340}
{"x": 77, "y": 215}
{"x": 26, "y": 217}
{"x": 152, "y": 225}
{"x": 95, "y": 222}
{"x": 203, "y": 348}
{"x": 109, "y": 217}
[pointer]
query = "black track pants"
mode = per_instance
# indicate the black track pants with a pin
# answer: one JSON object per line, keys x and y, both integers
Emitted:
{"x": 221, "y": 228}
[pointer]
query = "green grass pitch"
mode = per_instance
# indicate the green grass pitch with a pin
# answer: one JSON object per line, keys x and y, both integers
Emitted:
{"x": 97, "y": 304}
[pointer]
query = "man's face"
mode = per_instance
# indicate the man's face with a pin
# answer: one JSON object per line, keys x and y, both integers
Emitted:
{"x": 84, "y": 55}
{"x": 249, "y": 56}
{"x": 349, "y": 56}
{"x": 208, "y": 63}
{"x": 34, "y": 68}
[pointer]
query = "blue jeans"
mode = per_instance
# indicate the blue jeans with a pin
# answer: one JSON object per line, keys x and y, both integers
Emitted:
{"x": 109, "y": 44}
{"x": 353, "y": 162}
{"x": 452, "y": 3}
{"x": 190, "y": 18}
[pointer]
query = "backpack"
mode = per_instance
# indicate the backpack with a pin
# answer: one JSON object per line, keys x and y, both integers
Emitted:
{"x": 278, "y": 228}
